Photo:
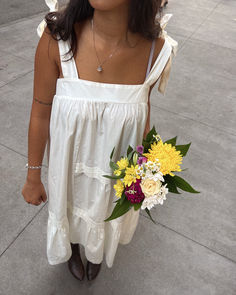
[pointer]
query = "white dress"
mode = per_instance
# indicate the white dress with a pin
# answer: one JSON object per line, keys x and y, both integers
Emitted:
{"x": 87, "y": 120}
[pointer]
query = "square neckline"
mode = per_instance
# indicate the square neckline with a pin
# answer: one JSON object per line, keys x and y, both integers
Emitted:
{"x": 105, "y": 84}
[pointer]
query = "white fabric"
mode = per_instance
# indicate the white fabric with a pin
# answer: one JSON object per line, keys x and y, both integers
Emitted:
{"x": 53, "y": 6}
{"x": 87, "y": 120}
{"x": 163, "y": 22}
{"x": 164, "y": 76}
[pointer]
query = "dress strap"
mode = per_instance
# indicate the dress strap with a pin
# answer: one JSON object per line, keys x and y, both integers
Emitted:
{"x": 162, "y": 65}
{"x": 159, "y": 63}
{"x": 68, "y": 67}
{"x": 150, "y": 57}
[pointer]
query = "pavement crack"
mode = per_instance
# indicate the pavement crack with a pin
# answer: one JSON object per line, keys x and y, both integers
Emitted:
{"x": 194, "y": 241}
{"x": 23, "y": 229}
{"x": 200, "y": 25}
{"x": 19, "y": 77}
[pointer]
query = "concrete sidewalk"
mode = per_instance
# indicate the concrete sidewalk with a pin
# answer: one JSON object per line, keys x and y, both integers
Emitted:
{"x": 192, "y": 249}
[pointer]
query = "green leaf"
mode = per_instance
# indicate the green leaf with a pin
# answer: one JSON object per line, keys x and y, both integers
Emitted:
{"x": 113, "y": 165}
{"x": 149, "y": 214}
{"x": 137, "y": 206}
{"x": 150, "y": 134}
{"x": 184, "y": 185}
{"x": 123, "y": 197}
{"x": 172, "y": 188}
{"x": 114, "y": 176}
{"x": 129, "y": 150}
{"x": 111, "y": 155}
{"x": 146, "y": 146}
{"x": 183, "y": 148}
{"x": 130, "y": 155}
{"x": 119, "y": 210}
{"x": 171, "y": 141}
{"x": 116, "y": 201}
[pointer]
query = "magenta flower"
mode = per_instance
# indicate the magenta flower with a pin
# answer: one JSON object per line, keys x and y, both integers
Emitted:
{"x": 141, "y": 160}
{"x": 139, "y": 149}
{"x": 134, "y": 192}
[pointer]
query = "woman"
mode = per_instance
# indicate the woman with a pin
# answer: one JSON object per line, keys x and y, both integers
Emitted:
{"x": 84, "y": 106}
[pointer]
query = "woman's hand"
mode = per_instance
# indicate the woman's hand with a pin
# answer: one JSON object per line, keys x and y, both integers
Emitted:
{"x": 34, "y": 192}
{"x": 147, "y": 129}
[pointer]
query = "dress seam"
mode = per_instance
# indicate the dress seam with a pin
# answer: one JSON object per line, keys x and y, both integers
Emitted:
{"x": 91, "y": 172}
{"x": 81, "y": 213}
{"x": 82, "y": 99}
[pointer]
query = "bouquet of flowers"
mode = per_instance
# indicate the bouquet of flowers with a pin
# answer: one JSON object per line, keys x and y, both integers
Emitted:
{"x": 145, "y": 175}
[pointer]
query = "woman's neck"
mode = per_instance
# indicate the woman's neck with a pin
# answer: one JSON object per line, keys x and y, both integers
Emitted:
{"x": 111, "y": 26}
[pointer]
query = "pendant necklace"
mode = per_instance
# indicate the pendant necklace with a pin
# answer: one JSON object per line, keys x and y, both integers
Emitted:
{"x": 100, "y": 68}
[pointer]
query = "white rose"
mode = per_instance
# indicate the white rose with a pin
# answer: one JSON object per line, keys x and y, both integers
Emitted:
{"x": 150, "y": 187}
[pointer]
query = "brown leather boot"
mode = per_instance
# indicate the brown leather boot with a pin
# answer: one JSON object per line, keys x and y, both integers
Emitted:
{"x": 75, "y": 263}
{"x": 92, "y": 270}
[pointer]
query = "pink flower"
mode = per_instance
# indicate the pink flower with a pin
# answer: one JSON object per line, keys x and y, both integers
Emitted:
{"x": 139, "y": 149}
{"x": 134, "y": 192}
{"x": 141, "y": 160}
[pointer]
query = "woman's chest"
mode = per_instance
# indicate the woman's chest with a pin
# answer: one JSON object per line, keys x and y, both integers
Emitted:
{"x": 120, "y": 65}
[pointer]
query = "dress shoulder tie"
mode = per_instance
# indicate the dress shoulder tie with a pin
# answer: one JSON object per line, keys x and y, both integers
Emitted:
{"x": 53, "y": 6}
{"x": 164, "y": 77}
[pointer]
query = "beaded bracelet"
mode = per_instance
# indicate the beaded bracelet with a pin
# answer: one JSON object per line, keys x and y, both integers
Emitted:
{"x": 33, "y": 167}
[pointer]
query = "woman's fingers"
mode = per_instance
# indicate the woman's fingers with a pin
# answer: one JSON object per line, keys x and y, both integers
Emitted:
{"x": 36, "y": 203}
{"x": 34, "y": 194}
{"x": 44, "y": 196}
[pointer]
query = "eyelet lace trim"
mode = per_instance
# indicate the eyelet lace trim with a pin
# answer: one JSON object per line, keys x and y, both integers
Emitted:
{"x": 93, "y": 226}
{"x": 92, "y": 172}
{"x": 61, "y": 224}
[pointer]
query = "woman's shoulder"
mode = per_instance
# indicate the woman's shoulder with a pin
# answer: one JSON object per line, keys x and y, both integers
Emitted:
{"x": 47, "y": 43}
{"x": 48, "y": 46}
{"x": 159, "y": 43}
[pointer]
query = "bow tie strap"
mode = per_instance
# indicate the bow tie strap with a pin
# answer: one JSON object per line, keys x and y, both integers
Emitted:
{"x": 53, "y": 6}
{"x": 174, "y": 44}
{"x": 163, "y": 22}
{"x": 165, "y": 76}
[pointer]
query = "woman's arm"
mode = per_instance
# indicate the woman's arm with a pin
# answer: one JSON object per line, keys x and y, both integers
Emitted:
{"x": 147, "y": 127}
{"x": 158, "y": 46}
{"x": 45, "y": 76}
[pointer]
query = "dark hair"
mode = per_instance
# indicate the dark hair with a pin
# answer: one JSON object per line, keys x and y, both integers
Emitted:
{"x": 143, "y": 19}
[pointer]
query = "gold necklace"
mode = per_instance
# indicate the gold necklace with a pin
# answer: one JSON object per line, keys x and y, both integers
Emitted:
{"x": 100, "y": 68}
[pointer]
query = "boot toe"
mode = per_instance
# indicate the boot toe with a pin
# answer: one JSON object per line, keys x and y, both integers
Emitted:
{"x": 76, "y": 268}
{"x": 92, "y": 270}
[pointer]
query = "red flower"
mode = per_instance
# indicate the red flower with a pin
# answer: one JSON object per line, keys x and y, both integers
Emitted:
{"x": 134, "y": 192}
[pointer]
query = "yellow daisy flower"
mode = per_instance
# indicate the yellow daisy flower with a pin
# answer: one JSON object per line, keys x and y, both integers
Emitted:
{"x": 117, "y": 172}
{"x": 123, "y": 163}
{"x": 167, "y": 155}
{"x": 119, "y": 187}
{"x": 131, "y": 174}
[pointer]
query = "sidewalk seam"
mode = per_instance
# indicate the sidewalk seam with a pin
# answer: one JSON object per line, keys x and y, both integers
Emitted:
{"x": 200, "y": 25}
{"x": 194, "y": 241}
{"x": 23, "y": 229}
{"x": 16, "y": 21}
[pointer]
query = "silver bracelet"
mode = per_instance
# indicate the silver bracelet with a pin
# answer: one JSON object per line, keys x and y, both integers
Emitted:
{"x": 33, "y": 167}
